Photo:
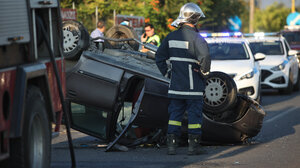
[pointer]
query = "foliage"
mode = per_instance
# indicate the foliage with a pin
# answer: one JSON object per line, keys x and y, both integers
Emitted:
{"x": 160, "y": 13}
{"x": 272, "y": 19}
{"x": 218, "y": 12}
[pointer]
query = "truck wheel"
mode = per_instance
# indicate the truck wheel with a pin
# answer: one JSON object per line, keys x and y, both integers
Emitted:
{"x": 33, "y": 149}
{"x": 121, "y": 32}
{"x": 220, "y": 93}
{"x": 76, "y": 39}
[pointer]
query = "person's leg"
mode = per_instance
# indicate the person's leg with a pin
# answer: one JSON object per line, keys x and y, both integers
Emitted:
{"x": 194, "y": 108}
{"x": 176, "y": 109}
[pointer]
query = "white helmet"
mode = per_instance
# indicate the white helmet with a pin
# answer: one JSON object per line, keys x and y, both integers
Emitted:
{"x": 189, "y": 13}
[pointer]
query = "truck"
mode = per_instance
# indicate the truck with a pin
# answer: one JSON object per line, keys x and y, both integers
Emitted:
{"x": 32, "y": 79}
{"x": 292, "y": 35}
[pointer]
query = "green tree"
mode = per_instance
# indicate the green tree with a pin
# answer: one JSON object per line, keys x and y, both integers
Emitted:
{"x": 218, "y": 13}
{"x": 272, "y": 19}
{"x": 160, "y": 13}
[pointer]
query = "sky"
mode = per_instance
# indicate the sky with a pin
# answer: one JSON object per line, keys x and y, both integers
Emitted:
{"x": 265, "y": 3}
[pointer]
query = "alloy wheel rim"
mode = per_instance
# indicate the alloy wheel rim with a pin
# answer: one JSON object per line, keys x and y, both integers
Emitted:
{"x": 216, "y": 92}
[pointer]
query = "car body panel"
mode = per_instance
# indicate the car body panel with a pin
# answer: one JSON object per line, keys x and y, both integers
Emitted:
{"x": 272, "y": 78}
{"x": 100, "y": 83}
{"x": 112, "y": 93}
{"x": 239, "y": 68}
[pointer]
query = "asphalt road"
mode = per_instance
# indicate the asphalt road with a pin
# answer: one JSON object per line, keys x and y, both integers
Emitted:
{"x": 276, "y": 146}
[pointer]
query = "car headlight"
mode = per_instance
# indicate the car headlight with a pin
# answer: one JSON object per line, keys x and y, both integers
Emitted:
{"x": 280, "y": 67}
{"x": 248, "y": 75}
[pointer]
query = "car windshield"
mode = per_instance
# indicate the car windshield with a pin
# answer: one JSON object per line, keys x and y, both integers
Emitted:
{"x": 267, "y": 48}
{"x": 292, "y": 37}
{"x": 227, "y": 51}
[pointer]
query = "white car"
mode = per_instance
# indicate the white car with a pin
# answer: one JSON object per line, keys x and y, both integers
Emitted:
{"x": 280, "y": 68}
{"x": 234, "y": 57}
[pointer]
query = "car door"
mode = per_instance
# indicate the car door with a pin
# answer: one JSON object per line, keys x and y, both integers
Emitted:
{"x": 102, "y": 95}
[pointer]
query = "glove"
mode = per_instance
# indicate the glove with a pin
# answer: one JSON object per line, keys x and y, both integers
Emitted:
{"x": 204, "y": 74}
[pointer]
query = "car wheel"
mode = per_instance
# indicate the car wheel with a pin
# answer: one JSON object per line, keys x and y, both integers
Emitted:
{"x": 33, "y": 149}
{"x": 233, "y": 114}
{"x": 76, "y": 39}
{"x": 121, "y": 32}
{"x": 297, "y": 85}
{"x": 220, "y": 93}
{"x": 289, "y": 88}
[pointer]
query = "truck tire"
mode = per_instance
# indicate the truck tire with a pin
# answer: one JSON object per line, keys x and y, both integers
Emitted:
{"x": 121, "y": 32}
{"x": 76, "y": 39}
{"x": 33, "y": 148}
{"x": 220, "y": 93}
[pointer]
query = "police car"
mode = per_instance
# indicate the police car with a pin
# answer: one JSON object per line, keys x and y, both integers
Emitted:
{"x": 280, "y": 68}
{"x": 234, "y": 57}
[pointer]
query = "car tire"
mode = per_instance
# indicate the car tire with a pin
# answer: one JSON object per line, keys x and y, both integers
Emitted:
{"x": 297, "y": 85}
{"x": 233, "y": 114}
{"x": 121, "y": 32}
{"x": 76, "y": 39}
{"x": 289, "y": 88}
{"x": 33, "y": 149}
{"x": 220, "y": 93}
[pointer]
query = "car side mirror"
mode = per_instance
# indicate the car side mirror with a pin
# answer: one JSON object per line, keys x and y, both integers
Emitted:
{"x": 259, "y": 56}
{"x": 293, "y": 52}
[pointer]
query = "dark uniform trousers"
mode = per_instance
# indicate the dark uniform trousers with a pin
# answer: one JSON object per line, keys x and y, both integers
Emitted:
{"x": 185, "y": 48}
{"x": 176, "y": 110}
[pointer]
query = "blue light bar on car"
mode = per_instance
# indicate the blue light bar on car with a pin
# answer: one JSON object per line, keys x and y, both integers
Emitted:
{"x": 261, "y": 34}
{"x": 222, "y": 34}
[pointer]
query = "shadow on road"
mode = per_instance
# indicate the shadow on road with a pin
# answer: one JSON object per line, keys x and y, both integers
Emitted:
{"x": 275, "y": 126}
{"x": 276, "y": 97}
{"x": 90, "y": 151}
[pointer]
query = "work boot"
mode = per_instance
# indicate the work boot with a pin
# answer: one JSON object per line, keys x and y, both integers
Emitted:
{"x": 172, "y": 144}
{"x": 194, "y": 145}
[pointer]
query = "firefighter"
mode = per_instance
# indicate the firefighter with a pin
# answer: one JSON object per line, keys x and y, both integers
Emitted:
{"x": 190, "y": 65}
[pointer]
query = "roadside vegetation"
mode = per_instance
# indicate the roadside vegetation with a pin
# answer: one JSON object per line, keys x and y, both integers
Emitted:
{"x": 161, "y": 13}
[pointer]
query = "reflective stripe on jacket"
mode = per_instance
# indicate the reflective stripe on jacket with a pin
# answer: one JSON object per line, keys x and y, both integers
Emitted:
{"x": 184, "y": 48}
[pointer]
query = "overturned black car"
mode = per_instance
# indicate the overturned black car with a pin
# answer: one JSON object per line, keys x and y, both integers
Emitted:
{"x": 117, "y": 94}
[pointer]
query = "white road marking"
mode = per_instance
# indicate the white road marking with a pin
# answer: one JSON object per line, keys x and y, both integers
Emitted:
{"x": 281, "y": 115}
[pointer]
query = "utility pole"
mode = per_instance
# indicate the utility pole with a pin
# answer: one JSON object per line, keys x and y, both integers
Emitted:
{"x": 293, "y": 6}
{"x": 114, "y": 15}
{"x": 251, "y": 16}
{"x": 96, "y": 15}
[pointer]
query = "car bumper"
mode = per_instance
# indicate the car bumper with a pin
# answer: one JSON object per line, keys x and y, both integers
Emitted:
{"x": 249, "y": 87}
{"x": 274, "y": 79}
